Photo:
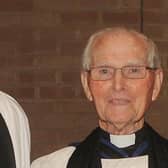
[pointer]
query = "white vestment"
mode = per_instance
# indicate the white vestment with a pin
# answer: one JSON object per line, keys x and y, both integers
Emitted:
{"x": 18, "y": 126}
{"x": 60, "y": 158}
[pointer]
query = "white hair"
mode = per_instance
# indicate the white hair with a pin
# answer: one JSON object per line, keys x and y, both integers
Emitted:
{"x": 153, "y": 57}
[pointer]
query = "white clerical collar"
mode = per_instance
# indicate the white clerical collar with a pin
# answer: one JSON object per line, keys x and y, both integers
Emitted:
{"x": 122, "y": 141}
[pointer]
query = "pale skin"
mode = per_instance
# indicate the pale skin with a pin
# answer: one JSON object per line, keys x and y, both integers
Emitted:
{"x": 121, "y": 103}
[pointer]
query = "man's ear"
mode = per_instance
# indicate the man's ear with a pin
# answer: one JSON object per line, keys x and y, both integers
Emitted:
{"x": 85, "y": 84}
{"x": 157, "y": 83}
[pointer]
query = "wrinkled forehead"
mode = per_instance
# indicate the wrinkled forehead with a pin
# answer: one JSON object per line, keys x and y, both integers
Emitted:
{"x": 120, "y": 39}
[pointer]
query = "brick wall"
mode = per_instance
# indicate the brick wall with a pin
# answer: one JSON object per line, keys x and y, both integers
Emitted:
{"x": 155, "y": 26}
{"x": 41, "y": 44}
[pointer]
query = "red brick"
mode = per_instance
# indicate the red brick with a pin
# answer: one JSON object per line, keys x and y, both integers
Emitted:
{"x": 16, "y": 5}
{"x": 58, "y": 139}
{"x": 20, "y": 92}
{"x": 152, "y": 32}
{"x": 25, "y": 46}
{"x": 71, "y": 77}
{"x": 85, "y": 32}
{"x": 46, "y": 136}
{"x": 7, "y": 77}
{"x": 78, "y": 106}
{"x": 165, "y": 66}
{"x": 36, "y": 76}
{"x": 80, "y": 92}
{"x": 55, "y": 120}
{"x": 72, "y": 48}
{"x": 39, "y": 149}
{"x": 3, "y": 61}
{"x": 60, "y": 5}
{"x": 60, "y": 136}
{"x": 99, "y": 5}
{"x": 43, "y": 19}
{"x": 16, "y": 34}
{"x": 162, "y": 46}
{"x": 130, "y": 4}
{"x": 26, "y": 76}
{"x": 48, "y": 34}
{"x": 52, "y": 37}
{"x": 9, "y": 34}
{"x": 75, "y": 17}
{"x": 57, "y": 92}
{"x": 21, "y": 61}
{"x": 155, "y": 4}
{"x": 11, "y": 19}
{"x": 67, "y": 61}
{"x": 46, "y": 75}
{"x": 7, "y": 49}
{"x": 36, "y": 107}
{"x": 121, "y": 17}
{"x": 155, "y": 17}
{"x": 20, "y": 39}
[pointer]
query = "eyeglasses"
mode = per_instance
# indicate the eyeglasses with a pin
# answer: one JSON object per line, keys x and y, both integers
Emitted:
{"x": 103, "y": 73}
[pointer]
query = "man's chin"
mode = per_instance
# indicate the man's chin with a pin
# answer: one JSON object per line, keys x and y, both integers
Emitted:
{"x": 118, "y": 126}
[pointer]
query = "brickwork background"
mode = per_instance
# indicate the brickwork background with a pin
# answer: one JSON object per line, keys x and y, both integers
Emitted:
{"x": 41, "y": 43}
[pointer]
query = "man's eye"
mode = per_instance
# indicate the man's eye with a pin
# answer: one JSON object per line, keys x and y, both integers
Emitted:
{"x": 103, "y": 71}
{"x": 134, "y": 70}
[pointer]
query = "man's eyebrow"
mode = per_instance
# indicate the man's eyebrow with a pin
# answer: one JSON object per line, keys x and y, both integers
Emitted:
{"x": 135, "y": 63}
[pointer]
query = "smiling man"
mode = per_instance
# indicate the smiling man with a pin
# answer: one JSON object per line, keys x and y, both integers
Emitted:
{"x": 122, "y": 75}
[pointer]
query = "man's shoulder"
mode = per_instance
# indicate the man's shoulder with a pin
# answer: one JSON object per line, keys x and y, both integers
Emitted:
{"x": 58, "y": 158}
{"x": 159, "y": 140}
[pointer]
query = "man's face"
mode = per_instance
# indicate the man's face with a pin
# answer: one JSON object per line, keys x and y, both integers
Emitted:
{"x": 121, "y": 101}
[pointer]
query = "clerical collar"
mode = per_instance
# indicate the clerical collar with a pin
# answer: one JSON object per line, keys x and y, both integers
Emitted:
{"x": 122, "y": 141}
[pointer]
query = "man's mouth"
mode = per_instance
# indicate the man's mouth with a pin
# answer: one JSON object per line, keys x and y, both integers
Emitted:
{"x": 119, "y": 101}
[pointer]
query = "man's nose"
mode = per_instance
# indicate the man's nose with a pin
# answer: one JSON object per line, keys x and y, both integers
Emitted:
{"x": 118, "y": 80}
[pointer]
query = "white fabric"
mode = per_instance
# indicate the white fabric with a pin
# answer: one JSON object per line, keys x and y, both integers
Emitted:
{"x": 122, "y": 141}
{"x": 135, "y": 162}
{"x": 18, "y": 127}
{"x": 58, "y": 159}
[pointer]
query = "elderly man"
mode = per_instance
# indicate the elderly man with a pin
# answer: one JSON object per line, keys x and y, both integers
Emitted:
{"x": 122, "y": 76}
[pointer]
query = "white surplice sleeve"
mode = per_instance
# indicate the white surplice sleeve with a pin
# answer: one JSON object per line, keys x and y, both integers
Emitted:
{"x": 18, "y": 126}
{"x": 57, "y": 159}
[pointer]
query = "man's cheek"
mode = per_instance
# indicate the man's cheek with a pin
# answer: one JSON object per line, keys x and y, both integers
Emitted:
{"x": 99, "y": 93}
{"x": 98, "y": 88}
